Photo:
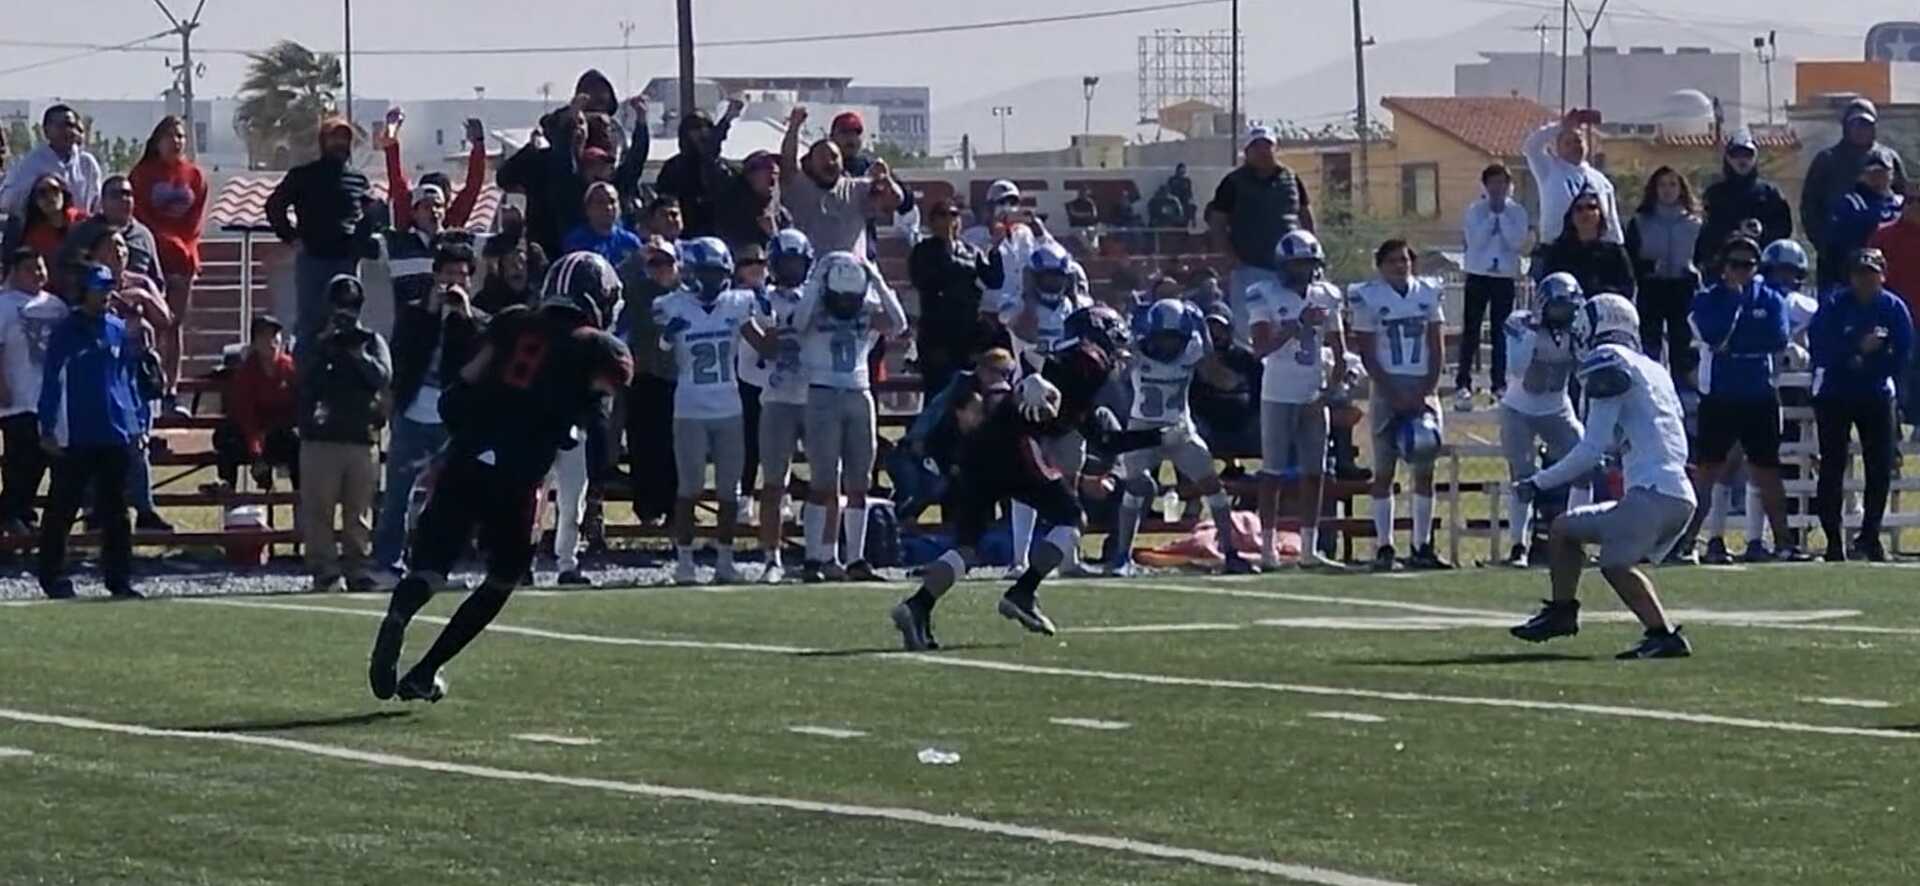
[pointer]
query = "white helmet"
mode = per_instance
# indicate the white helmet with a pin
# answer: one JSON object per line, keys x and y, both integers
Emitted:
{"x": 1299, "y": 244}
{"x": 1606, "y": 318}
{"x": 1556, "y": 300}
{"x": 1784, "y": 253}
{"x": 843, "y": 282}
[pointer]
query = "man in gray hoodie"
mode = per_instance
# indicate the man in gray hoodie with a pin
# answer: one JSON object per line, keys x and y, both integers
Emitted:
{"x": 1835, "y": 171}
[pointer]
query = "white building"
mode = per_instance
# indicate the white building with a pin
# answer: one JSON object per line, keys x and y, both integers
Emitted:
{"x": 899, "y": 115}
{"x": 1634, "y": 86}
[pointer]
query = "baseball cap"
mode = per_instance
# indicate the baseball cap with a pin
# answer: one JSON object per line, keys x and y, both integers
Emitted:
{"x": 1001, "y": 189}
{"x": 1869, "y": 259}
{"x": 662, "y": 246}
{"x": 848, "y": 120}
{"x": 1743, "y": 141}
{"x": 96, "y": 278}
{"x": 1861, "y": 110}
{"x": 423, "y": 193}
{"x": 266, "y": 321}
{"x": 1260, "y": 134}
{"x": 1877, "y": 157}
{"x": 761, "y": 160}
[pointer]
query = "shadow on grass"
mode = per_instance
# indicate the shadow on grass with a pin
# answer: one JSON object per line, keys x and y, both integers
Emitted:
{"x": 366, "y": 719}
{"x": 1902, "y": 727}
{"x": 895, "y": 650}
{"x": 1503, "y": 658}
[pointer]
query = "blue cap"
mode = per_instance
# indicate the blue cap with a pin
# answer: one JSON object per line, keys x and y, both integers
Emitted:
{"x": 96, "y": 278}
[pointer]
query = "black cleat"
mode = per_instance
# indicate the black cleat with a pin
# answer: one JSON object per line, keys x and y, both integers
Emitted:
{"x": 1518, "y": 558}
{"x": 574, "y": 578}
{"x": 1659, "y": 645}
{"x": 1717, "y": 554}
{"x": 151, "y": 521}
{"x": 811, "y": 573}
{"x": 1028, "y": 614}
{"x": 58, "y": 589}
{"x": 1553, "y": 620}
{"x": 1835, "y": 554}
{"x": 383, "y": 665}
{"x": 1872, "y": 550}
{"x": 1426, "y": 558}
{"x": 1238, "y": 565}
{"x": 1383, "y": 560}
{"x": 915, "y": 627}
{"x": 418, "y": 688}
{"x": 859, "y": 570}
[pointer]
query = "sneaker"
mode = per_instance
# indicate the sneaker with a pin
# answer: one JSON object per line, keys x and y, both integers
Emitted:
{"x": 859, "y": 570}
{"x": 172, "y": 406}
{"x": 1716, "y": 553}
{"x": 1756, "y": 552}
{"x": 1553, "y": 620}
{"x": 1662, "y": 645}
{"x": 1238, "y": 565}
{"x": 1076, "y": 569}
{"x": 1427, "y": 558}
{"x": 1122, "y": 569}
{"x": 327, "y": 584}
{"x": 574, "y": 578}
{"x": 773, "y": 574}
{"x": 1681, "y": 556}
{"x": 383, "y": 664}
{"x": 912, "y": 624}
{"x": 811, "y": 573}
{"x": 1499, "y": 394}
{"x": 1383, "y": 560}
{"x": 1315, "y": 561}
{"x": 724, "y": 572}
{"x": 1791, "y": 554}
{"x": 1872, "y": 550}
{"x": 685, "y": 574}
{"x": 833, "y": 571}
{"x": 1028, "y": 614}
{"x": 151, "y": 521}
{"x": 57, "y": 589}
{"x": 1463, "y": 400}
{"x": 1518, "y": 559}
{"x": 417, "y": 688}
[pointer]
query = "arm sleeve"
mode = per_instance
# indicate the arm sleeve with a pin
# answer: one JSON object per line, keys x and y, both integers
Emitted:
{"x": 53, "y": 386}
{"x": 516, "y": 174}
{"x": 894, "y": 315}
{"x": 277, "y": 203}
{"x": 927, "y": 269}
{"x": 399, "y": 193}
{"x": 626, "y": 177}
{"x": 1778, "y": 330}
{"x": 1900, "y": 336}
{"x": 14, "y": 189}
{"x": 1711, "y": 321}
{"x": 1514, "y": 237}
{"x": 993, "y": 270}
{"x": 375, "y": 364}
{"x": 1520, "y": 346}
{"x": 1603, "y": 416}
{"x": 1776, "y": 218}
{"x": 1824, "y": 348}
{"x": 245, "y": 409}
{"x": 1540, "y": 159}
{"x": 1222, "y": 196}
{"x": 461, "y": 211}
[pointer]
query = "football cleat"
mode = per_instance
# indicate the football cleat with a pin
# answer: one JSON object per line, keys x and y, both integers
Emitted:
{"x": 914, "y": 627}
{"x": 574, "y": 578}
{"x": 1756, "y": 552}
{"x": 1383, "y": 560}
{"x": 1553, "y": 620}
{"x": 1237, "y": 565}
{"x": 859, "y": 570}
{"x": 1716, "y": 553}
{"x": 811, "y": 573}
{"x": 1790, "y": 554}
{"x": 1518, "y": 559}
{"x": 1681, "y": 556}
{"x": 1668, "y": 644}
{"x": 833, "y": 571}
{"x": 684, "y": 573}
{"x": 383, "y": 664}
{"x": 773, "y": 574}
{"x": 1871, "y": 549}
{"x": 724, "y": 572}
{"x": 1123, "y": 569}
{"x": 1427, "y": 558}
{"x": 1028, "y": 614}
{"x": 58, "y": 589}
{"x": 417, "y": 688}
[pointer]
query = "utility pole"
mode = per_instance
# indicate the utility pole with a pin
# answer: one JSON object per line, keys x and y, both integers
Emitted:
{"x": 1087, "y": 85}
{"x": 626, "y": 54}
{"x": 1360, "y": 103}
{"x": 686, "y": 59}
{"x": 1566, "y": 8}
{"x": 1233, "y": 100}
{"x": 348, "y": 21}
{"x": 1588, "y": 27}
{"x": 1768, "y": 48}
{"x": 1003, "y": 112}
{"x": 1540, "y": 76}
{"x": 966, "y": 151}
{"x": 186, "y": 72}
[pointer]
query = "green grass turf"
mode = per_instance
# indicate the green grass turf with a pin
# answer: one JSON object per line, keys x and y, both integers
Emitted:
{"x": 1438, "y": 793}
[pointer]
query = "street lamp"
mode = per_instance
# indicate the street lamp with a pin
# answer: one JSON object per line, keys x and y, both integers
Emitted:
{"x": 1003, "y": 112}
{"x": 1087, "y": 85}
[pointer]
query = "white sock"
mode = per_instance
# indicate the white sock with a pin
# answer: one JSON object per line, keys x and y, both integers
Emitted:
{"x": 772, "y": 556}
{"x": 1756, "y": 516}
{"x": 1267, "y": 552}
{"x": 1522, "y": 519}
{"x": 1722, "y": 499}
{"x": 854, "y": 522}
{"x": 1023, "y": 518}
{"x": 1309, "y": 540}
{"x": 814, "y": 520}
{"x": 1383, "y": 520}
{"x": 685, "y": 554}
{"x": 1422, "y": 520}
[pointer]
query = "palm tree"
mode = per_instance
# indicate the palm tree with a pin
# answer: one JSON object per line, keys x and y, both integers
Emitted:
{"x": 288, "y": 89}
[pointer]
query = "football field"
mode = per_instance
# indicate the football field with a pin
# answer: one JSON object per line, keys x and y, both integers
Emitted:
{"x": 1181, "y": 729}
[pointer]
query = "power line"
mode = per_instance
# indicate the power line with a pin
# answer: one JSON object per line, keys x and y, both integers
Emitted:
{"x": 87, "y": 53}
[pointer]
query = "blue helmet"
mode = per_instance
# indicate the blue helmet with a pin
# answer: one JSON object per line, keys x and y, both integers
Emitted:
{"x": 1559, "y": 296}
{"x": 790, "y": 257}
{"x": 1784, "y": 254}
{"x": 1052, "y": 270}
{"x": 1166, "y": 329}
{"x": 708, "y": 261}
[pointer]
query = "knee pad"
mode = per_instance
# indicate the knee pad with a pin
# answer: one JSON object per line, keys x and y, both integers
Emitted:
{"x": 955, "y": 561}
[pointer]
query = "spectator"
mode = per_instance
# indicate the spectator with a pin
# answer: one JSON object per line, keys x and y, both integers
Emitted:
{"x": 1581, "y": 249}
{"x": 665, "y": 220}
{"x": 136, "y": 300}
{"x": 334, "y": 232}
{"x": 551, "y": 169}
{"x": 1254, "y": 206}
{"x": 830, "y": 207}
{"x": 1860, "y": 341}
{"x": 952, "y": 276}
{"x": 1180, "y": 188}
{"x": 1557, "y": 156}
{"x": 340, "y": 421}
{"x": 44, "y": 225}
{"x": 432, "y": 339}
{"x": 649, "y": 274}
{"x": 262, "y": 403}
{"x": 1858, "y": 214}
{"x": 386, "y": 137}
{"x": 116, "y": 214}
{"x": 750, "y": 370}
{"x": 1661, "y": 240}
{"x": 1834, "y": 173}
{"x": 28, "y": 316}
{"x": 1225, "y": 393}
{"x": 695, "y": 175}
{"x": 601, "y": 232}
{"x": 1081, "y": 210}
{"x": 64, "y": 156}
{"x": 1003, "y": 225}
{"x": 1164, "y": 211}
{"x": 91, "y": 415}
{"x": 1496, "y": 229}
{"x": 514, "y": 266}
{"x": 1741, "y": 194}
{"x": 848, "y": 133}
{"x": 747, "y": 210}
{"x": 170, "y": 198}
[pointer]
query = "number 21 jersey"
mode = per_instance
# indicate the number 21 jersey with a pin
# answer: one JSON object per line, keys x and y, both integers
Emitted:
{"x": 1398, "y": 322}
{"x": 703, "y": 338}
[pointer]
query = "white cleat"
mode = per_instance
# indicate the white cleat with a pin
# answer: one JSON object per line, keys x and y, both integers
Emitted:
{"x": 685, "y": 574}
{"x": 1124, "y": 570}
{"x": 773, "y": 575}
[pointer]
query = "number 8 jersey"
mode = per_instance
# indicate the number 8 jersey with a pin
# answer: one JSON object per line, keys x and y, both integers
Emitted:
{"x": 1398, "y": 322}
{"x": 1294, "y": 373}
{"x": 703, "y": 338}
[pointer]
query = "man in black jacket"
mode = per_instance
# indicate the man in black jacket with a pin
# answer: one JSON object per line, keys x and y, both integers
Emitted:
{"x": 1835, "y": 171}
{"x": 695, "y": 175}
{"x": 1739, "y": 195}
{"x": 340, "y": 425}
{"x": 333, "y": 233}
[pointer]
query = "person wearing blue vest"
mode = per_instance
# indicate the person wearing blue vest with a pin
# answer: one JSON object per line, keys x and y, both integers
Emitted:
{"x": 1859, "y": 342}
{"x": 90, "y": 413}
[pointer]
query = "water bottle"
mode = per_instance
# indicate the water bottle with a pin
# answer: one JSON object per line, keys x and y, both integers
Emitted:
{"x": 1170, "y": 506}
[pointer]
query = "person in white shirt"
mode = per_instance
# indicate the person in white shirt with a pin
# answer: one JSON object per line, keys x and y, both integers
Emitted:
{"x": 28, "y": 314}
{"x": 1537, "y": 409}
{"x": 1557, "y": 156}
{"x": 62, "y": 155}
{"x": 783, "y": 388}
{"x": 1496, "y": 229}
{"x": 1397, "y": 320}
{"x": 846, "y": 309}
{"x": 701, "y": 324}
{"x": 1036, "y": 317}
{"x": 1003, "y": 226}
{"x": 1632, "y": 409}
{"x": 1298, "y": 334}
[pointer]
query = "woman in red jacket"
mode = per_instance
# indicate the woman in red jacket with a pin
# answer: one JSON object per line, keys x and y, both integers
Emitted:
{"x": 44, "y": 224}
{"x": 169, "y": 197}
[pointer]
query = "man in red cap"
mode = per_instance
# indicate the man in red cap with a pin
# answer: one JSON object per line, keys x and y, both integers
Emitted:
{"x": 847, "y": 133}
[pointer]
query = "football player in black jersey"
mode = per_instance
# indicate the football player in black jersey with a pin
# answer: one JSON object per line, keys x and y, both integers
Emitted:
{"x": 543, "y": 374}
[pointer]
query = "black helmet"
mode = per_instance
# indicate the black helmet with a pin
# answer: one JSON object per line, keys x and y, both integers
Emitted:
{"x": 1097, "y": 325}
{"x": 583, "y": 282}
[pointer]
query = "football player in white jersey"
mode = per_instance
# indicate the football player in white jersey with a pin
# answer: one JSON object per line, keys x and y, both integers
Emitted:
{"x": 847, "y": 308}
{"x": 1298, "y": 334}
{"x": 1172, "y": 340}
{"x": 1536, "y": 409}
{"x": 1397, "y": 320}
{"x": 1037, "y": 319}
{"x": 701, "y": 324}
{"x": 783, "y": 392}
{"x": 1632, "y": 409}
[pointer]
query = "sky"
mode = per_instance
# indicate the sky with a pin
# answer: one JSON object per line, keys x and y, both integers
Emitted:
{"x": 1283, "y": 38}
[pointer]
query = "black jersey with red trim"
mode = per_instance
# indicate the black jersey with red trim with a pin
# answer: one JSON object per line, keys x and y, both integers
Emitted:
{"x": 536, "y": 390}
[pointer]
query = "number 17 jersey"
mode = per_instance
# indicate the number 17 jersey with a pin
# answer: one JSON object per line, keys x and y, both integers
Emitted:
{"x": 703, "y": 338}
{"x": 1398, "y": 323}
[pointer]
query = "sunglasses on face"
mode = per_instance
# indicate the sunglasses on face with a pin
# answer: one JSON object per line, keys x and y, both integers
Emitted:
{"x": 749, "y": 262}
{"x": 1741, "y": 263}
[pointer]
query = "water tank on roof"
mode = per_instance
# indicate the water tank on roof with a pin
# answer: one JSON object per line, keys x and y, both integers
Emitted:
{"x": 1686, "y": 112}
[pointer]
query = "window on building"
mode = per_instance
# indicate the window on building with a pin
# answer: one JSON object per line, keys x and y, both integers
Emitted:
{"x": 200, "y": 132}
{"x": 439, "y": 138}
{"x": 1420, "y": 190}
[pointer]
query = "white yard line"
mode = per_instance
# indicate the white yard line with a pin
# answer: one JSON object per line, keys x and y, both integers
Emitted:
{"x": 14, "y": 752}
{"x": 547, "y": 738}
{"x": 1084, "y": 723}
{"x": 1154, "y": 628}
{"x": 826, "y": 731}
{"x": 1299, "y": 873}
{"x": 1850, "y": 703}
{"x": 1365, "y": 602}
{"x": 1348, "y": 716}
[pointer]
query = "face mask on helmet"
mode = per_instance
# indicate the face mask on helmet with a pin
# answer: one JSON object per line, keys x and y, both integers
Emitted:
{"x": 1165, "y": 345}
{"x": 1051, "y": 285}
{"x": 1299, "y": 273}
{"x": 710, "y": 281}
{"x": 1557, "y": 313}
{"x": 790, "y": 270}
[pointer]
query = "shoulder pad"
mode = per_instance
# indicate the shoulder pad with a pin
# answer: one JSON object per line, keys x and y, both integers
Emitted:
{"x": 1606, "y": 373}
{"x": 1357, "y": 293}
{"x": 1322, "y": 287}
